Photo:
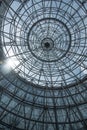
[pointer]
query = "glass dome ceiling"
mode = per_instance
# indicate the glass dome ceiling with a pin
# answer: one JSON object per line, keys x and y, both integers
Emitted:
{"x": 47, "y": 40}
{"x": 43, "y": 64}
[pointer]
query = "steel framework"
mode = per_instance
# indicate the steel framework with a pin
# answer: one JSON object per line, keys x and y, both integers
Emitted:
{"x": 45, "y": 85}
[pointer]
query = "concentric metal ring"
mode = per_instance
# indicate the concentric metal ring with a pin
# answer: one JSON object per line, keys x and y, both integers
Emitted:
{"x": 61, "y": 39}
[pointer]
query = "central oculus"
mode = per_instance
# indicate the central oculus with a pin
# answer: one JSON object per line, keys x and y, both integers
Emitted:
{"x": 47, "y": 44}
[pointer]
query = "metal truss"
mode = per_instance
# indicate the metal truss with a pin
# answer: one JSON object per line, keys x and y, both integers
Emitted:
{"x": 46, "y": 86}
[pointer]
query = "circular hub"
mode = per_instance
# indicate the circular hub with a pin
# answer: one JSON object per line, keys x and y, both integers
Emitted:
{"x": 47, "y": 44}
